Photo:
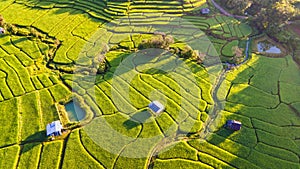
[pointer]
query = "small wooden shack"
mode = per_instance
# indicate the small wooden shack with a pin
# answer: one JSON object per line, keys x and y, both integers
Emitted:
{"x": 54, "y": 128}
{"x": 156, "y": 107}
{"x": 233, "y": 125}
{"x": 205, "y": 11}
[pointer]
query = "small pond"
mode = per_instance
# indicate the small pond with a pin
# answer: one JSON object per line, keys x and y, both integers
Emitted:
{"x": 75, "y": 113}
{"x": 268, "y": 47}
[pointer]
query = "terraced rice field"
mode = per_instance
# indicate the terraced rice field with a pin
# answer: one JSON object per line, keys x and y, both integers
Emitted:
{"x": 119, "y": 131}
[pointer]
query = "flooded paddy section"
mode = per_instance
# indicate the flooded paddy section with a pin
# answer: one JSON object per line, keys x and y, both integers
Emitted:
{"x": 74, "y": 112}
{"x": 268, "y": 47}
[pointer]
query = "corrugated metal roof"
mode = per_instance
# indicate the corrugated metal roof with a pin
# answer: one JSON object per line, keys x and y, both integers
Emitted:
{"x": 234, "y": 124}
{"x": 53, "y": 127}
{"x": 156, "y": 107}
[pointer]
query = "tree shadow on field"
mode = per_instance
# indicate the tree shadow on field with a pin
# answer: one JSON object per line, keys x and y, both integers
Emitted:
{"x": 225, "y": 133}
{"x": 137, "y": 119}
{"x": 14, "y": 42}
{"x": 261, "y": 119}
{"x": 34, "y": 139}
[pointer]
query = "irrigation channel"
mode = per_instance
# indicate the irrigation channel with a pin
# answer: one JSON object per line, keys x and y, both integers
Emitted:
{"x": 212, "y": 116}
{"x": 218, "y": 104}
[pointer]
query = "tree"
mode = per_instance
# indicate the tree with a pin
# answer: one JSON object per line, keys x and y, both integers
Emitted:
{"x": 273, "y": 17}
{"x": 239, "y": 6}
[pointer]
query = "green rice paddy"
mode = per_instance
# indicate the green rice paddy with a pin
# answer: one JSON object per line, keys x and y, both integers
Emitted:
{"x": 119, "y": 131}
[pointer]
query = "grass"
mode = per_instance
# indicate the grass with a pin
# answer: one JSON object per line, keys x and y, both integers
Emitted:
{"x": 59, "y": 92}
{"x": 30, "y": 156}
{"x": 123, "y": 133}
{"x": 212, "y": 161}
{"x": 179, "y": 163}
{"x": 46, "y": 82}
{"x": 5, "y": 90}
{"x": 22, "y": 73}
{"x": 37, "y": 84}
{"x": 74, "y": 147}
{"x": 277, "y": 152}
{"x": 51, "y": 152}
{"x": 103, "y": 101}
{"x": 228, "y": 49}
{"x": 286, "y": 95}
{"x": 9, "y": 157}
{"x": 179, "y": 150}
{"x": 220, "y": 154}
{"x": 246, "y": 94}
{"x": 29, "y": 112}
{"x": 10, "y": 119}
{"x": 49, "y": 112}
{"x": 107, "y": 158}
{"x": 229, "y": 145}
{"x": 12, "y": 80}
{"x": 167, "y": 125}
{"x": 28, "y": 47}
{"x": 277, "y": 141}
{"x": 259, "y": 159}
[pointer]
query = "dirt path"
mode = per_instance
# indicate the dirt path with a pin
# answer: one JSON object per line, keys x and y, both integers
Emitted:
{"x": 224, "y": 12}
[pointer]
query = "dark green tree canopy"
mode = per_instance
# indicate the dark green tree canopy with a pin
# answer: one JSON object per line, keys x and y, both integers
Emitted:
{"x": 266, "y": 15}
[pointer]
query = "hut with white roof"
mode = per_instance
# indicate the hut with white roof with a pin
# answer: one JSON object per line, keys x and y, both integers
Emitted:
{"x": 54, "y": 128}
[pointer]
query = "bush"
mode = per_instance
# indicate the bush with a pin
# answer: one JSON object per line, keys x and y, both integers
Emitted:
{"x": 157, "y": 41}
{"x": 11, "y": 28}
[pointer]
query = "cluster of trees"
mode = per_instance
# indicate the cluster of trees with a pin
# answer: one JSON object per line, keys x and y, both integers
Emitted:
{"x": 167, "y": 42}
{"x": 269, "y": 16}
{"x": 266, "y": 15}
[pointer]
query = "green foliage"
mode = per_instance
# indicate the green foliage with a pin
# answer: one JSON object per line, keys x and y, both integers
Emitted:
{"x": 166, "y": 124}
{"x": 30, "y": 156}
{"x": 260, "y": 159}
{"x": 244, "y": 93}
{"x": 277, "y": 152}
{"x": 179, "y": 163}
{"x": 21, "y": 71}
{"x": 230, "y": 146}
{"x": 12, "y": 80}
{"x": 48, "y": 109}
{"x": 190, "y": 125}
{"x": 44, "y": 79}
{"x": 252, "y": 94}
{"x": 178, "y": 150}
{"x": 72, "y": 152}
{"x": 59, "y": 92}
{"x": 277, "y": 141}
{"x": 285, "y": 92}
{"x": 212, "y": 161}
{"x": 9, "y": 156}
{"x": 220, "y": 154}
{"x": 37, "y": 84}
{"x": 51, "y": 152}
{"x": 9, "y": 131}
{"x": 107, "y": 158}
{"x": 228, "y": 49}
{"x": 31, "y": 118}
